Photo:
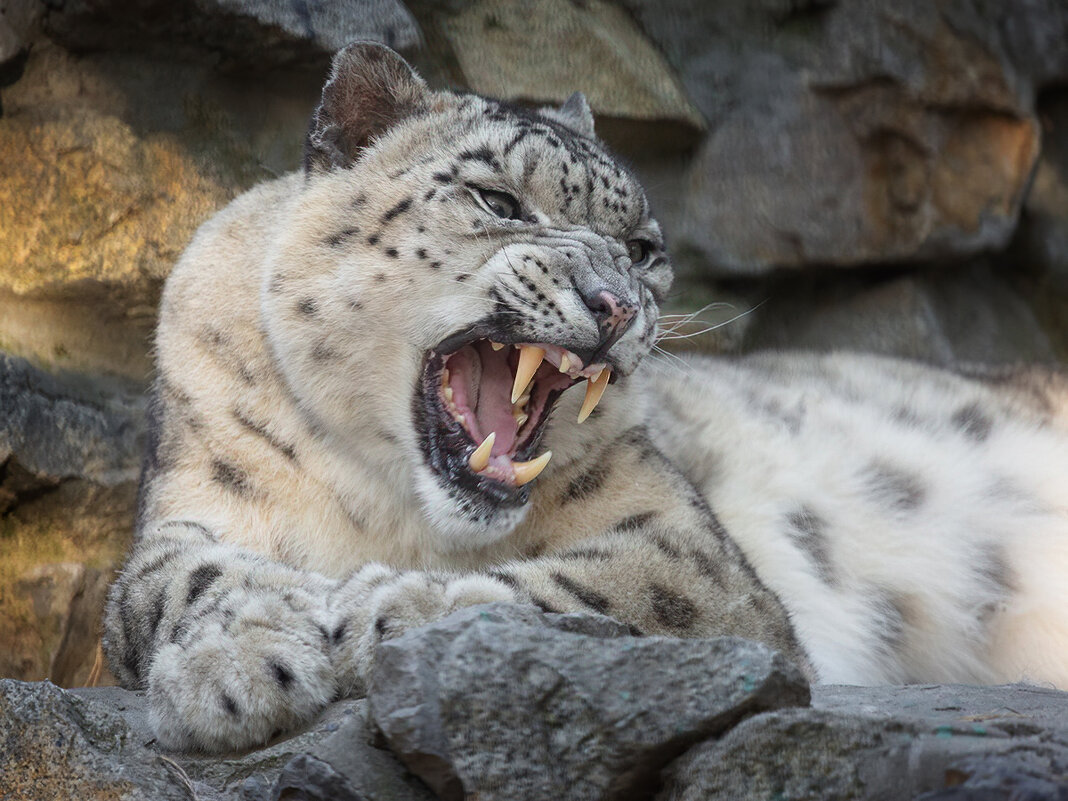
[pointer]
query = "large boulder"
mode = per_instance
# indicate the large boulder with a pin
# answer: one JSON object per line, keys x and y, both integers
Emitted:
{"x": 503, "y": 702}
{"x": 844, "y": 134}
{"x": 542, "y": 52}
{"x": 928, "y": 743}
{"x": 239, "y": 32}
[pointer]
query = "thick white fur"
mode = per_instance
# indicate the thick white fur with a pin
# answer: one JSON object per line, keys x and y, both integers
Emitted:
{"x": 765, "y": 435}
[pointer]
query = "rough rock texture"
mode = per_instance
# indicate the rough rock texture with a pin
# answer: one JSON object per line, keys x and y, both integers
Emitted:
{"x": 500, "y": 50}
{"x": 849, "y": 133}
{"x": 53, "y": 745}
{"x": 237, "y": 30}
{"x": 500, "y": 702}
{"x": 529, "y": 724}
{"x": 68, "y": 462}
{"x": 885, "y": 743}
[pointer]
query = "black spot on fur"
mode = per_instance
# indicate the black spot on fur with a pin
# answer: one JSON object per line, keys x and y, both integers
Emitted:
{"x": 707, "y": 566}
{"x": 339, "y": 632}
{"x": 282, "y": 675}
{"x": 808, "y": 530}
{"x": 308, "y": 307}
{"x": 380, "y": 277}
{"x": 594, "y": 554}
{"x": 972, "y": 422}
{"x": 231, "y": 477}
{"x": 483, "y": 154}
{"x": 391, "y": 252}
{"x": 335, "y": 240}
{"x": 322, "y": 353}
{"x": 373, "y": 239}
{"x": 199, "y": 581}
{"x": 544, "y": 605}
{"x": 504, "y": 578}
{"x": 672, "y": 610}
{"x": 396, "y": 210}
{"x": 585, "y": 595}
{"x": 421, "y": 253}
{"x": 635, "y": 522}
{"x": 586, "y": 484}
{"x": 156, "y": 616}
{"x": 260, "y": 430}
{"x": 895, "y": 487}
{"x": 380, "y": 627}
{"x": 434, "y": 265}
{"x": 230, "y": 705}
{"x": 665, "y": 547}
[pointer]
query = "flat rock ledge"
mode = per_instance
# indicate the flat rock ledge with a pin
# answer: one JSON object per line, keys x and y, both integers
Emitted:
{"x": 504, "y": 702}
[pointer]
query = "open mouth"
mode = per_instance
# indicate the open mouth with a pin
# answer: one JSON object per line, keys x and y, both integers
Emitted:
{"x": 483, "y": 406}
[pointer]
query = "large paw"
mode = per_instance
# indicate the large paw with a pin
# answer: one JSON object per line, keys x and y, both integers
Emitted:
{"x": 378, "y": 603}
{"x": 253, "y": 666}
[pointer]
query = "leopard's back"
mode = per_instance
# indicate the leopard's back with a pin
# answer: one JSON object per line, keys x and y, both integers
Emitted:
{"x": 913, "y": 520}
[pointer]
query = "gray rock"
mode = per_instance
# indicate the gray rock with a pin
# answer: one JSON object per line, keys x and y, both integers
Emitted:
{"x": 501, "y": 50}
{"x": 18, "y": 20}
{"x": 54, "y": 745}
{"x": 348, "y": 767}
{"x": 974, "y": 313}
{"x": 248, "y": 32}
{"x": 56, "y": 428}
{"x": 849, "y": 133}
{"x": 333, "y": 758}
{"x": 505, "y": 702}
{"x": 883, "y": 743}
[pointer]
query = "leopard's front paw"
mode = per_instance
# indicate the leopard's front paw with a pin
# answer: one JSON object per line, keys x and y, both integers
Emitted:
{"x": 378, "y": 603}
{"x": 236, "y": 677}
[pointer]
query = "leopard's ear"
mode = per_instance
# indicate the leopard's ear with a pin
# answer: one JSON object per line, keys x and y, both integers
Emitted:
{"x": 370, "y": 90}
{"x": 575, "y": 114}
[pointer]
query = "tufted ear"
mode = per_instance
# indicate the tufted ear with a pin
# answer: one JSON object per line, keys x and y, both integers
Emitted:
{"x": 370, "y": 90}
{"x": 575, "y": 114}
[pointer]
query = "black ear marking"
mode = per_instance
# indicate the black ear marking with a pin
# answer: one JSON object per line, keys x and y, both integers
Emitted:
{"x": 370, "y": 89}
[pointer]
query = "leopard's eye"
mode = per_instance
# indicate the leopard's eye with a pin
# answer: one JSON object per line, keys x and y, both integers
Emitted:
{"x": 638, "y": 250}
{"x": 500, "y": 203}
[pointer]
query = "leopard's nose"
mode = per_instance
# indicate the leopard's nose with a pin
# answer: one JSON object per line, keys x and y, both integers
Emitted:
{"x": 612, "y": 314}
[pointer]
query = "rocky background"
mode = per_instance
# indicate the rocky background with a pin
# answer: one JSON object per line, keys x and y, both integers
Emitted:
{"x": 885, "y": 176}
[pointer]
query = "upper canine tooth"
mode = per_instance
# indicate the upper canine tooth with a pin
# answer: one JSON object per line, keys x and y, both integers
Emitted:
{"x": 525, "y": 472}
{"x": 448, "y": 394}
{"x": 594, "y": 390}
{"x": 481, "y": 455}
{"x": 530, "y": 357}
{"x": 496, "y": 345}
{"x": 565, "y": 363}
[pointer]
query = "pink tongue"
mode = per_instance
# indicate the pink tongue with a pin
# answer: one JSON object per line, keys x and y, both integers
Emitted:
{"x": 494, "y": 411}
{"x": 482, "y": 388}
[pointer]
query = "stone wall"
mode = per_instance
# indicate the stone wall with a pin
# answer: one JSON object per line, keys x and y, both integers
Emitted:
{"x": 884, "y": 176}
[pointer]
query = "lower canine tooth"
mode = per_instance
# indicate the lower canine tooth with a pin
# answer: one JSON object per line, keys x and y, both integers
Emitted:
{"x": 525, "y": 472}
{"x": 448, "y": 393}
{"x": 481, "y": 455}
{"x": 594, "y": 391}
{"x": 565, "y": 363}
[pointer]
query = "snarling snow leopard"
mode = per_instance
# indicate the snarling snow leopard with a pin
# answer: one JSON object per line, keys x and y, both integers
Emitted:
{"x": 364, "y": 419}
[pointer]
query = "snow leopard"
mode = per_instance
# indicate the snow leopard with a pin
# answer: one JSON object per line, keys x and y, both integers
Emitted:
{"x": 365, "y": 416}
